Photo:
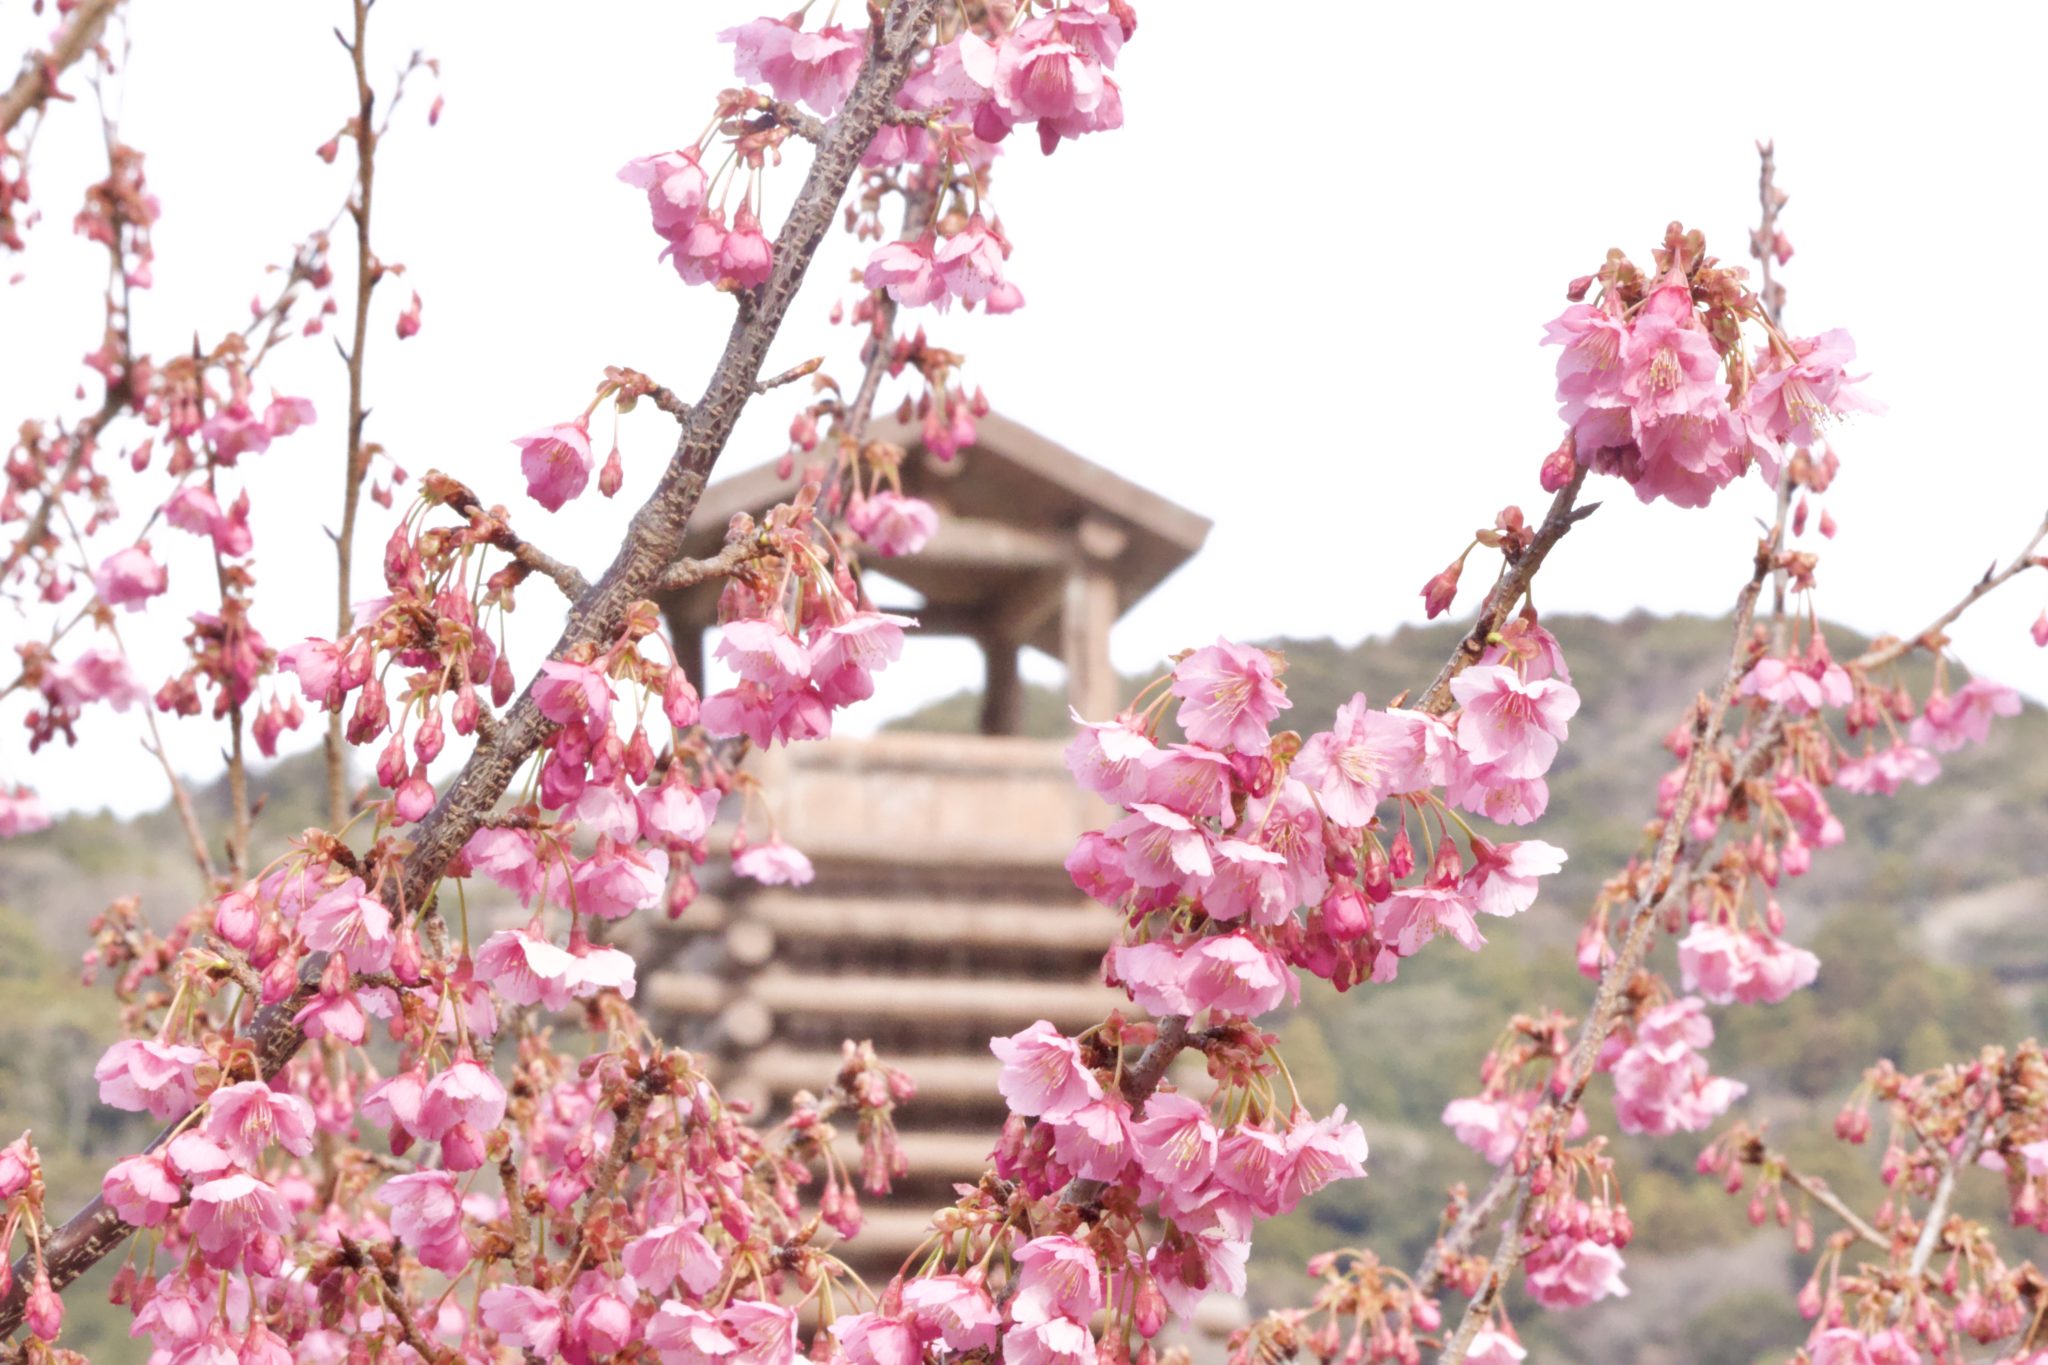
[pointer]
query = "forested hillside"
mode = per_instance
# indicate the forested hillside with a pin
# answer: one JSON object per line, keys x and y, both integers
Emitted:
{"x": 1929, "y": 939}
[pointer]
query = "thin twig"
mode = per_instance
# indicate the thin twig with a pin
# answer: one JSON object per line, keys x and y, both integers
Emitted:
{"x": 1885, "y": 650}
{"x": 685, "y": 573}
{"x": 1817, "y": 1190}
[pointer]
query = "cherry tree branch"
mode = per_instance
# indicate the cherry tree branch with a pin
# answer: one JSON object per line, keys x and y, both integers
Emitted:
{"x": 1944, "y": 1191}
{"x": 651, "y": 544}
{"x": 1556, "y": 1114}
{"x": 355, "y": 463}
{"x": 459, "y": 498}
{"x": 39, "y": 70}
{"x": 1884, "y": 651}
{"x": 1507, "y": 590}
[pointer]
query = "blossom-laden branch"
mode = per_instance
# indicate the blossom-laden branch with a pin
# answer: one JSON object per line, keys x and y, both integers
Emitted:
{"x": 651, "y": 544}
{"x": 37, "y": 82}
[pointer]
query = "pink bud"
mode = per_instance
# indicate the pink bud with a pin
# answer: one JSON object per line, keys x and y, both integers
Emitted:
{"x": 45, "y": 1310}
{"x": 2041, "y": 630}
{"x": 409, "y": 320}
{"x": 502, "y": 681}
{"x": 679, "y": 700}
{"x": 613, "y": 475}
{"x": 428, "y": 741}
{"x": 466, "y": 710}
{"x": 1439, "y": 592}
{"x": 434, "y": 110}
{"x": 235, "y": 919}
{"x": 462, "y": 1148}
{"x": 329, "y": 149}
{"x": 1559, "y": 466}
{"x": 414, "y": 797}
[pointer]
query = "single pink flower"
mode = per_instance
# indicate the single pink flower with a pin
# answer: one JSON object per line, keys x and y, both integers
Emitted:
{"x": 696, "y": 253}
{"x": 1040, "y": 76}
{"x": 129, "y": 578}
{"x": 955, "y": 1310}
{"x": 557, "y": 462}
{"x": 426, "y": 1207}
{"x": 21, "y": 812}
{"x": 874, "y": 1339}
{"x": 507, "y": 857}
{"x": 1793, "y": 398}
{"x": 1057, "y": 1276}
{"x": 1568, "y": 1273}
{"x": 1111, "y": 758}
{"x": 817, "y": 68}
{"x": 351, "y": 923}
{"x": 142, "y": 1190}
{"x": 522, "y": 1318}
{"x": 773, "y": 863}
{"x": 892, "y": 523}
{"x": 462, "y": 1093}
{"x": 246, "y": 1118}
{"x": 95, "y": 675}
{"x": 1043, "y": 1075}
{"x": 1231, "y": 974}
{"x": 1366, "y": 757}
{"x": 1882, "y": 772}
{"x": 1511, "y": 725}
{"x": 1320, "y": 1152}
{"x": 1503, "y": 876}
{"x": 764, "y": 652}
{"x": 1176, "y": 1144}
{"x": 675, "y": 185}
{"x": 745, "y": 256}
{"x": 1414, "y": 915}
{"x": 1094, "y": 1140}
{"x": 845, "y": 657}
{"x": 141, "y": 1074}
{"x": 685, "y": 1335}
{"x": 671, "y": 1252}
{"x": 526, "y": 968}
{"x": 1228, "y": 696}
{"x": 765, "y": 1332}
{"x": 572, "y": 694}
{"x": 1491, "y": 1346}
{"x": 970, "y": 262}
{"x": 1163, "y": 847}
{"x": 1048, "y": 1341}
{"x": 908, "y": 273}
{"x": 231, "y": 1217}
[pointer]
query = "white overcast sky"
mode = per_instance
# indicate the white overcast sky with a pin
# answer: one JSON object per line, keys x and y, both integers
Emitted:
{"x": 1299, "y": 292}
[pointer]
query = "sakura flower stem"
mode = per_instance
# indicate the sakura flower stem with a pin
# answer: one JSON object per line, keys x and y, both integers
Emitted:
{"x": 1817, "y": 1190}
{"x": 1886, "y": 650}
{"x": 1944, "y": 1191}
{"x": 1507, "y": 592}
{"x": 651, "y": 543}
{"x": 355, "y": 462}
{"x": 39, "y": 70}
{"x": 688, "y": 572}
{"x": 567, "y": 577}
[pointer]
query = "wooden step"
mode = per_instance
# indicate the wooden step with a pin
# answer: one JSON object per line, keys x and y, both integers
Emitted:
{"x": 1007, "y": 1003}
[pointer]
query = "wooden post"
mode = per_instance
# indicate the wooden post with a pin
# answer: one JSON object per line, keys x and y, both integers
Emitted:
{"x": 1002, "y": 692}
{"x": 1086, "y": 616}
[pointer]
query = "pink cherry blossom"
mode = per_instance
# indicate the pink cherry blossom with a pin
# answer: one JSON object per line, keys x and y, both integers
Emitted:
{"x": 246, "y": 1118}
{"x": 955, "y": 1310}
{"x": 507, "y": 857}
{"x": 526, "y": 968}
{"x": 774, "y": 863}
{"x": 140, "y": 1074}
{"x": 1043, "y": 1075}
{"x": 892, "y": 523}
{"x": 230, "y": 1216}
{"x": 129, "y": 578}
{"x": 522, "y": 1318}
{"x": 1232, "y": 974}
{"x": 908, "y": 273}
{"x": 1366, "y": 757}
{"x": 1094, "y": 1140}
{"x": 1725, "y": 965}
{"x": 21, "y": 812}
{"x": 1039, "y": 76}
{"x": 970, "y": 262}
{"x": 1162, "y": 847}
{"x": 95, "y": 675}
{"x": 1191, "y": 781}
{"x": 1048, "y": 1341}
{"x": 426, "y": 1208}
{"x": 1569, "y": 1273}
{"x": 1661, "y": 1082}
{"x": 1504, "y": 876}
{"x": 349, "y": 922}
{"x": 142, "y": 1190}
{"x": 1176, "y": 1143}
{"x": 1492, "y": 1347}
{"x": 557, "y": 462}
{"x": 873, "y": 1339}
{"x": 766, "y": 1332}
{"x": 1111, "y": 758}
{"x": 1414, "y": 915}
{"x": 572, "y": 693}
{"x": 844, "y": 657}
{"x": 462, "y": 1093}
{"x": 764, "y": 652}
{"x": 1228, "y": 696}
{"x": 1511, "y": 725}
{"x": 1319, "y": 1152}
{"x": 1882, "y": 772}
{"x": 673, "y": 1251}
{"x": 1792, "y": 399}
{"x": 675, "y": 185}
{"x": 1949, "y": 722}
{"x": 684, "y": 1335}
{"x": 1057, "y": 1276}
{"x": 817, "y": 68}
{"x": 745, "y": 256}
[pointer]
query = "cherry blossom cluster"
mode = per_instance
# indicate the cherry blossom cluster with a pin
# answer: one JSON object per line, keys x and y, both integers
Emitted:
{"x": 1656, "y": 387}
{"x": 1914, "y": 1280}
